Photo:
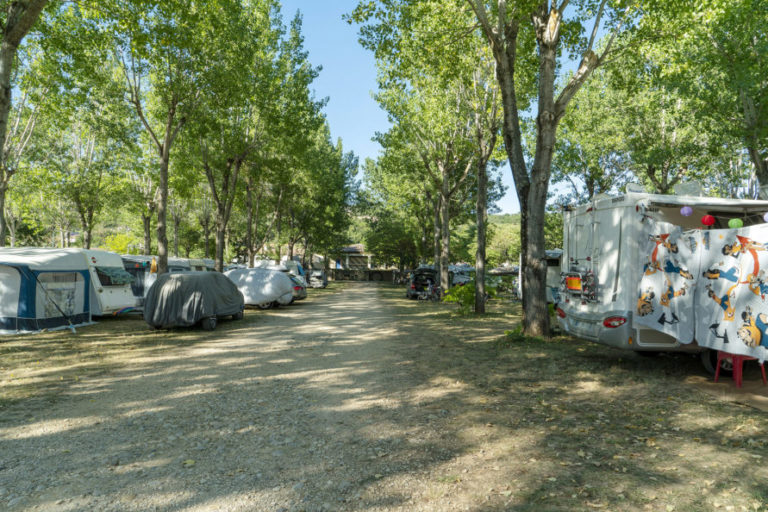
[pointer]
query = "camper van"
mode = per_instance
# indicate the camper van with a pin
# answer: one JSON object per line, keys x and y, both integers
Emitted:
{"x": 602, "y": 264}
{"x": 111, "y": 291}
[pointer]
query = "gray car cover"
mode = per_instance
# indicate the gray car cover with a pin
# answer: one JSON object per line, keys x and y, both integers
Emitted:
{"x": 185, "y": 299}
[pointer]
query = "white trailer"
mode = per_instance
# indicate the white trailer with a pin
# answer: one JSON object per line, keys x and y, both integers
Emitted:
{"x": 604, "y": 242}
{"x": 110, "y": 283}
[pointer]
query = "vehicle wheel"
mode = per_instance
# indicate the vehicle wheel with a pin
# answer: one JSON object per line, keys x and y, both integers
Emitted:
{"x": 266, "y": 305}
{"x": 238, "y": 316}
{"x": 209, "y": 323}
{"x": 709, "y": 360}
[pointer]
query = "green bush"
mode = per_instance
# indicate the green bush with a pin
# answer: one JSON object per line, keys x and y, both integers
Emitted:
{"x": 464, "y": 296}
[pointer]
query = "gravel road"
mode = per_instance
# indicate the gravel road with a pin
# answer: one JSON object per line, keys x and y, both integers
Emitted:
{"x": 315, "y": 407}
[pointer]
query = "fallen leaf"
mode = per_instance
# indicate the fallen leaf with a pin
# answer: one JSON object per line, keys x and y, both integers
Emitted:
{"x": 189, "y": 462}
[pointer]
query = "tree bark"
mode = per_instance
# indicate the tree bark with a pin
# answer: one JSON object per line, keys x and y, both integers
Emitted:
{"x": 445, "y": 256}
{"x": 436, "y": 234}
{"x": 162, "y": 204}
{"x": 481, "y": 214}
{"x": 147, "y": 222}
{"x": 3, "y": 190}
{"x": 249, "y": 221}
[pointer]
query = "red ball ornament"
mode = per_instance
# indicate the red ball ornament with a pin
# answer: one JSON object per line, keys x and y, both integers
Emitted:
{"x": 707, "y": 220}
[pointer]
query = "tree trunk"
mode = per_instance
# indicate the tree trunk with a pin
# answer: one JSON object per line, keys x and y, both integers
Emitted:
{"x": 221, "y": 232}
{"x": 436, "y": 235}
{"x": 481, "y": 212}
{"x": 162, "y": 204}
{"x": 147, "y": 221}
{"x": 534, "y": 263}
{"x": 445, "y": 203}
{"x": 249, "y": 222}
{"x": 3, "y": 189}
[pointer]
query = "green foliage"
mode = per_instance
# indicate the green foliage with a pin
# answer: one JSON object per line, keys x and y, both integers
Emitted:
{"x": 464, "y": 296}
{"x": 503, "y": 239}
{"x": 120, "y": 243}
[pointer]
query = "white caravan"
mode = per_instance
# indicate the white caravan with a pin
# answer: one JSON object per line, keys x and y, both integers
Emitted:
{"x": 601, "y": 268}
{"x": 43, "y": 289}
{"x": 110, "y": 283}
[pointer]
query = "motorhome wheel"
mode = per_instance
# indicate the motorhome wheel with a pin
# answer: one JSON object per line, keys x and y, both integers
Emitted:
{"x": 238, "y": 316}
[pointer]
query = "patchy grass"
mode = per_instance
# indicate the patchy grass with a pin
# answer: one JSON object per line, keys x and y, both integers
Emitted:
{"x": 566, "y": 424}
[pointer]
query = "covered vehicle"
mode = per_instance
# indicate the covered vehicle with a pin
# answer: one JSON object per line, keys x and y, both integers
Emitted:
{"x": 184, "y": 299}
{"x": 421, "y": 279}
{"x": 262, "y": 287}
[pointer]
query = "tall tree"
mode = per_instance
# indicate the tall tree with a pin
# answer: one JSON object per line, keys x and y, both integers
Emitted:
{"x": 510, "y": 29}
{"x": 16, "y": 20}
{"x": 168, "y": 62}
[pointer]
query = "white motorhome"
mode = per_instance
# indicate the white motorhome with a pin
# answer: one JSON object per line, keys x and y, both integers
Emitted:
{"x": 602, "y": 268}
{"x": 111, "y": 291}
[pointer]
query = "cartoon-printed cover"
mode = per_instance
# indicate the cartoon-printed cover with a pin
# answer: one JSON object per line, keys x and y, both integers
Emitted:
{"x": 732, "y": 312}
{"x": 665, "y": 299}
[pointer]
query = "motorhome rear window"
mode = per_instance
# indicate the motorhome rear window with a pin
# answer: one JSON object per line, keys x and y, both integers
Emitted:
{"x": 113, "y": 276}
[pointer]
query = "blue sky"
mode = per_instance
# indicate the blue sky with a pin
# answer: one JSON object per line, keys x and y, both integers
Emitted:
{"x": 348, "y": 79}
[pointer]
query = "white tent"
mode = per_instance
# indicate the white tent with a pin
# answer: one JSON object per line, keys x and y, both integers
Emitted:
{"x": 261, "y": 286}
{"x": 43, "y": 289}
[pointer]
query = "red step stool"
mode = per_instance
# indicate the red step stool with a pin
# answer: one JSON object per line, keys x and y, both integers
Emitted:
{"x": 738, "y": 362}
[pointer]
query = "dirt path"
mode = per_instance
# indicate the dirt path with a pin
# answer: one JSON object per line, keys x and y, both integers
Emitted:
{"x": 361, "y": 400}
{"x": 308, "y": 409}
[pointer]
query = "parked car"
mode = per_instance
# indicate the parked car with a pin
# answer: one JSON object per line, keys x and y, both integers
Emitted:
{"x": 419, "y": 282}
{"x": 318, "y": 279}
{"x": 262, "y": 287}
{"x": 299, "y": 289}
{"x": 188, "y": 298}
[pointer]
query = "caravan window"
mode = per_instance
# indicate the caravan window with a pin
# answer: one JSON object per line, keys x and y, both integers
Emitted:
{"x": 113, "y": 276}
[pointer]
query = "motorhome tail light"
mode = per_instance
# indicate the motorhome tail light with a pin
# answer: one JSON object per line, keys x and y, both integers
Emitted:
{"x": 560, "y": 312}
{"x": 573, "y": 283}
{"x": 614, "y": 321}
{"x": 297, "y": 288}
{"x": 413, "y": 286}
